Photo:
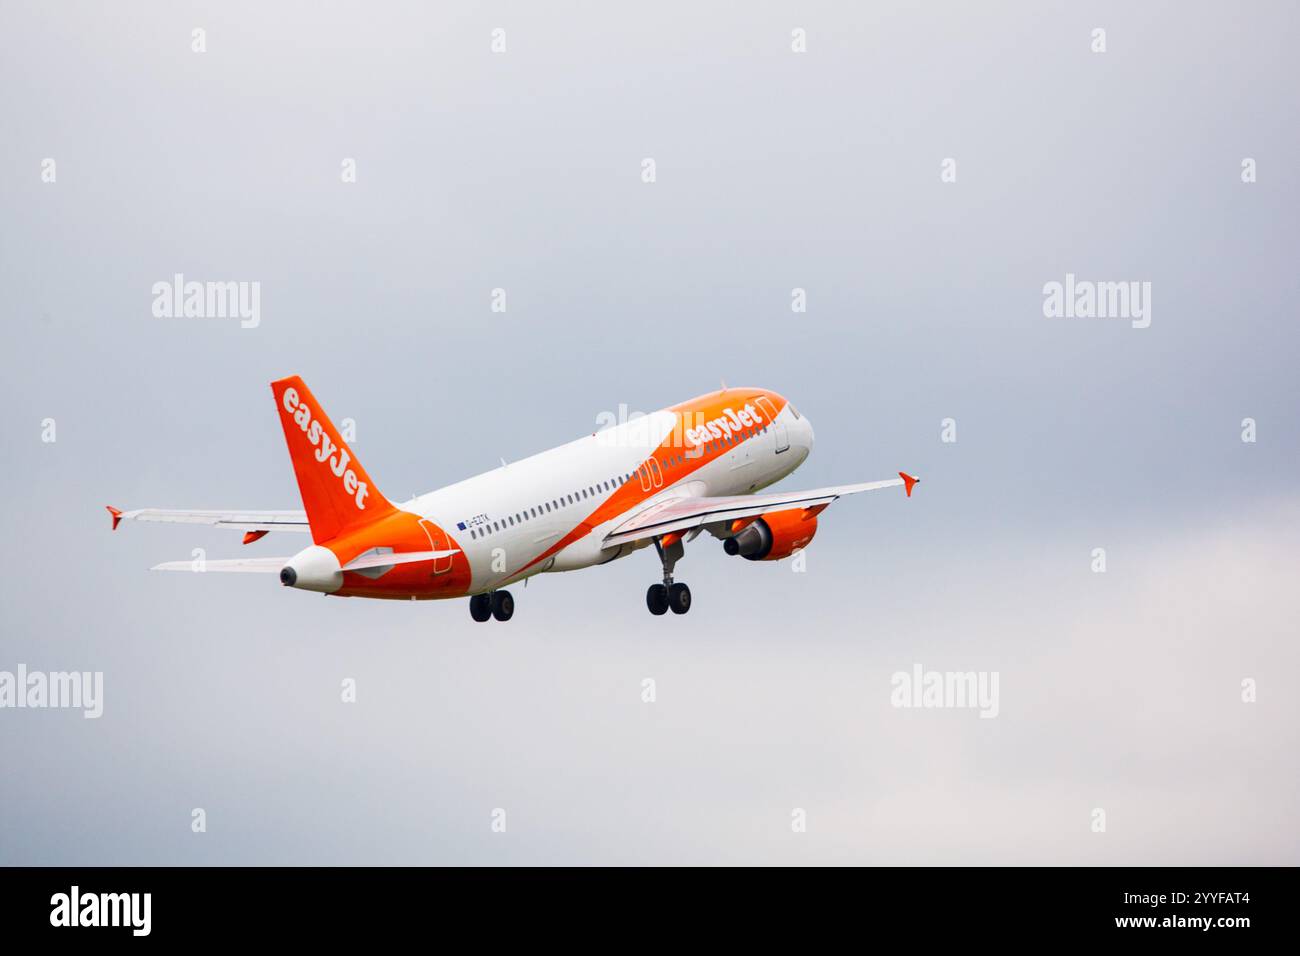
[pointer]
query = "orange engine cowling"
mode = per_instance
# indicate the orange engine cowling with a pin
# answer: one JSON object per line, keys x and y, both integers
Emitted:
{"x": 774, "y": 536}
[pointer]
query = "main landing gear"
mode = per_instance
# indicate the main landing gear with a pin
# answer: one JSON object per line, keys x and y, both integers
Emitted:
{"x": 497, "y": 604}
{"x": 661, "y": 598}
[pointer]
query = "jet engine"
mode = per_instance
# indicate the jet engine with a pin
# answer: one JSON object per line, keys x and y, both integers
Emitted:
{"x": 774, "y": 536}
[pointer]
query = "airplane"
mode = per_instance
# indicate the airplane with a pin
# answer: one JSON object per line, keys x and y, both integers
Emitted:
{"x": 661, "y": 479}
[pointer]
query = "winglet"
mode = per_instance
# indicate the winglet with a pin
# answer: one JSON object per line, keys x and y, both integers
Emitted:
{"x": 908, "y": 482}
{"x": 117, "y": 515}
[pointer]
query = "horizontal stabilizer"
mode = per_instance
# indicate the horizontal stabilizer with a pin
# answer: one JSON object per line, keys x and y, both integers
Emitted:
{"x": 240, "y": 565}
{"x": 238, "y": 520}
{"x": 371, "y": 559}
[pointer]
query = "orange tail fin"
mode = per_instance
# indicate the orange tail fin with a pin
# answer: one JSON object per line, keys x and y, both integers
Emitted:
{"x": 337, "y": 493}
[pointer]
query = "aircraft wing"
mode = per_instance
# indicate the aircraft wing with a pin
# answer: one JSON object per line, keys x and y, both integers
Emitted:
{"x": 681, "y": 514}
{"x": 237, "y": 520}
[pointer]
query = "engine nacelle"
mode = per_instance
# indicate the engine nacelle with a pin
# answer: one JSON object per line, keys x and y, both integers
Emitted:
{"x": 776, "y": 535}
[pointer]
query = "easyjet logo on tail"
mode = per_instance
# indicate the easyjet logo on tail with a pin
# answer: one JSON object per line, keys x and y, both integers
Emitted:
{"x": 333, "y": 456}
{"x": 725, "y": 424}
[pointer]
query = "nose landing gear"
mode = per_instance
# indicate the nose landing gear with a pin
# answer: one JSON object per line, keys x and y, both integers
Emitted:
{"x": 676, "y": 597}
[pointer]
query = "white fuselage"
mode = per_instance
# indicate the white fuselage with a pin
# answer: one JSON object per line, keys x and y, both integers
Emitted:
{"x": 504, "y": 518}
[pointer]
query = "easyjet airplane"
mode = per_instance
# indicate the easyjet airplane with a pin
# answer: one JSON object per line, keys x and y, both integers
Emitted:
{"x": 661, "y": 479}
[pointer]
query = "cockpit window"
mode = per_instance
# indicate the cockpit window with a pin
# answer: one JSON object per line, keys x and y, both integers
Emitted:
{"x": 794, "y": 411}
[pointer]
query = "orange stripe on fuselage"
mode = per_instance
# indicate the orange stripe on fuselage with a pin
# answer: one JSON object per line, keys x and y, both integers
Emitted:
{"x": 686, "y": 441}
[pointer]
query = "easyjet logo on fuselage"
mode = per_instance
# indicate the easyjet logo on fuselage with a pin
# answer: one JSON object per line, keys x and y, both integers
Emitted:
{"x": 336, "y": 456}
{"x": 729, "y": 422}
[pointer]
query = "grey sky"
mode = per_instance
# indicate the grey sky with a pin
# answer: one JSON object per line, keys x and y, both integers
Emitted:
{"x": 775, "y": 170}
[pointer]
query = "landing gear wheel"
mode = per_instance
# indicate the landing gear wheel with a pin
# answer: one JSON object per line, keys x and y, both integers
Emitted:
{"x": 679, "y": 598}
{"x": 480, "y": 607}
{"x": 503, "y": 605}
{"x": 656, "y": 599}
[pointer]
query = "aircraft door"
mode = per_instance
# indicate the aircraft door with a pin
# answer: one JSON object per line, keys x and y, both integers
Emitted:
{"x": 780, "y": 434}
{"x": 437, "y": 542}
